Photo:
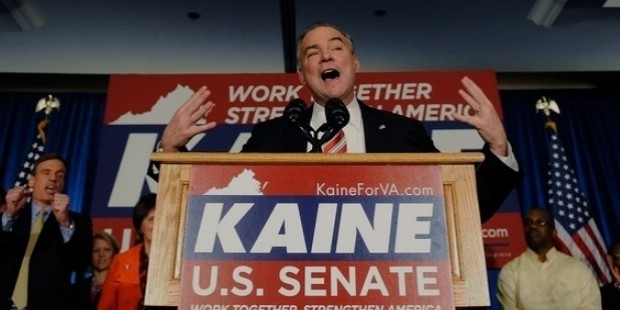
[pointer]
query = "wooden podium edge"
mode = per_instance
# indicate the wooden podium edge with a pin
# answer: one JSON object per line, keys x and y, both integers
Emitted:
{"x": 313, "y": 158}
{"x": 467, "y": 259}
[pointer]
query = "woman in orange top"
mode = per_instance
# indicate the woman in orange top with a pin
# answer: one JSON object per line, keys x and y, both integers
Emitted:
{"x": 124, "y": 286}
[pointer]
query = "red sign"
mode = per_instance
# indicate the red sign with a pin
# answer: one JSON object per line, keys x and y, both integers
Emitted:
{"x": 139, "y": 107}
{"x": 311, "y": 237}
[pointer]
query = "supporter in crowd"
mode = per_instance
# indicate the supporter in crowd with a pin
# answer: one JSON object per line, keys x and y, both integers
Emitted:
{"x": 125, "y": 284}
{"x": 44, "y": 248}
{"x": 544, "y": 278}
{"x": 105, "y": 249}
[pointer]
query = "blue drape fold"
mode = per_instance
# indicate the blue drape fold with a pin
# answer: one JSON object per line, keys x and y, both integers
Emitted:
{"x": 587, "y": 125}
{"x": 73, "y": 132}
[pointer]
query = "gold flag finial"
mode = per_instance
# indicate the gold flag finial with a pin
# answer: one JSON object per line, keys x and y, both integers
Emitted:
{"x": 47, "y": 105}
{"x": 548, "y": 106}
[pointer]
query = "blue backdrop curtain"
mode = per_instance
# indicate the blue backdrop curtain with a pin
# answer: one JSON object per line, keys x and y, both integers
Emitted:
{"x": 587, "y": 126}
{"x": 73, "y": 132}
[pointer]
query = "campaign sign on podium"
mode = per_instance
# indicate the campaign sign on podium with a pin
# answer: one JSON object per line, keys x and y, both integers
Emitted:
{"x": 312, "y": 237}
{"x": 309, "y": 199}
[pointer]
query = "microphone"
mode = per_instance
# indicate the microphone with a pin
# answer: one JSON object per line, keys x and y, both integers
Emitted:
{"x": 297, "y": 113}
{"x": 336, "y": 113}
{"x": 337, "y": 117}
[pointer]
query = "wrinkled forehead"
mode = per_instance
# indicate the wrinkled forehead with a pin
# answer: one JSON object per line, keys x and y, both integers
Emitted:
{"x": 51, "y": 164}
{"x": 320, "y": 35}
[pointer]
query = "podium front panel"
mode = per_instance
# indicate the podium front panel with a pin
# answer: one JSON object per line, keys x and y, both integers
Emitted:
{"x": 181, "y": 196}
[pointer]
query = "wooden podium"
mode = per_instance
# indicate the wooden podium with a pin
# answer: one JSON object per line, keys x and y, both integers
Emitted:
{"x": 463, "y": 225}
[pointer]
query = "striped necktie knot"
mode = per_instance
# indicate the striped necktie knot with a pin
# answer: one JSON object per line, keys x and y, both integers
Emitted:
{"x": 338, "y": 144}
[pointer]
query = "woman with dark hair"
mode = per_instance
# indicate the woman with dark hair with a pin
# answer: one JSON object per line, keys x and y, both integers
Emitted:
{"x": 124, "y": 286}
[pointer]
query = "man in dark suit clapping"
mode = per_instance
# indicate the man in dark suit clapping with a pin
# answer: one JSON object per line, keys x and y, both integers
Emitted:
{"x": 44, "y": 247}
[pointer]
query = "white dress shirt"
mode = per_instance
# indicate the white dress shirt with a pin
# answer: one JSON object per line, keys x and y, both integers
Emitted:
{"x": 353, "y": 131}
{"x": 561, "y": 282}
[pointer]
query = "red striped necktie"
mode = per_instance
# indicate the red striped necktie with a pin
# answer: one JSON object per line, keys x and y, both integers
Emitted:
{"x": 338, "y": 144}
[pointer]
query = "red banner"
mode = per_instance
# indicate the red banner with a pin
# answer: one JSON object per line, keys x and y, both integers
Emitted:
{"x": 341, "y": 235}
{"x": 139, "y": 106}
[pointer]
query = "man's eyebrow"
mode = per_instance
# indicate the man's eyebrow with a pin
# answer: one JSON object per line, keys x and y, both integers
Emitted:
{"x": 313, "y": 46}
{"x": 336, "y": 39}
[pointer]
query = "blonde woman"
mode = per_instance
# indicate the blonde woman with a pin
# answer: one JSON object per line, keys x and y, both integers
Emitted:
{"x": 105, "y": 249}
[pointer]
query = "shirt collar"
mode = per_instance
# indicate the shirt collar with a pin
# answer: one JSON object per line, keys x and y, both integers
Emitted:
{"x": 35, "y": 210}
{"x": 355, "y": 115}
{"x": 550, "y": 255}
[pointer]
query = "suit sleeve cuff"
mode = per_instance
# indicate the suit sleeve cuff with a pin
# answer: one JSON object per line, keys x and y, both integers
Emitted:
{"x": 510, "y": 160}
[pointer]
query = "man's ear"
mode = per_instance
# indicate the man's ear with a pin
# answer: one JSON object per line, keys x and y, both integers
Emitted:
{"x": 300, "y": 75}
{"x": 30, "y": 181}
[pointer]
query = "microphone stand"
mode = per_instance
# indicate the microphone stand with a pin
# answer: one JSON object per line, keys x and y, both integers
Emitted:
{"x": 335, "y": 112}
{"x": 316, "y": 142}
{"x": 316, "y": 145}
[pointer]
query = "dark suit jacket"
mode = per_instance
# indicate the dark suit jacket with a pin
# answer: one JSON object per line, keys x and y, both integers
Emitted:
{"x": 610, "y": 297}
{"x": 386, "y": 132}
{"x": 56, "y": 267}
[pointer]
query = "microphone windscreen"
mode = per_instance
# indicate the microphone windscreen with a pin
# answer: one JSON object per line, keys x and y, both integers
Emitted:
{"x": 336, "y": 113}
{"x": 296, "y": 111}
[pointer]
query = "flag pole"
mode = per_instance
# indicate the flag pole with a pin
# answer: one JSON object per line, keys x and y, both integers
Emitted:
{"x": 577, "y": 232}
{"x": 47, "y": 105}
{"x": 548, "y": 106}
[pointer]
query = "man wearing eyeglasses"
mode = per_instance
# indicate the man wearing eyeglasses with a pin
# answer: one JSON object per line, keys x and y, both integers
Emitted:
{"x": 544, "y": 278}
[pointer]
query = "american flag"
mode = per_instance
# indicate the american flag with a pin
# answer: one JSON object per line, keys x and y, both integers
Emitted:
{"x": 578, "y": 234}
{"x": 36, "y": 150}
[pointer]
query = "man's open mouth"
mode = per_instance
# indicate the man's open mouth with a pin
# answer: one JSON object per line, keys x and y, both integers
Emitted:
{"x": 330, "y": 74}
{"x": 50, "y": 189}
